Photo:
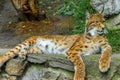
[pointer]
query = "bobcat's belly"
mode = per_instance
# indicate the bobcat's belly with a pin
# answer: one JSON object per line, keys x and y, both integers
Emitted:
{"x": 48, "y": 46}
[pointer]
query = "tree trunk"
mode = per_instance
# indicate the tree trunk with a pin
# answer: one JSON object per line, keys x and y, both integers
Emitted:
{"x": 28, "y": 9}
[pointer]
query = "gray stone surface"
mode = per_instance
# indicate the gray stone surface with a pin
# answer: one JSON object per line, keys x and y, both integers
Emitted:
{"x": 15, "y": 67}
{"x": 110, "y": 6}
{"x": 3, "y": 51}
{"x": 113, "y": 23}
{"x": 41, "y": 73}
{"x": 36, "y": 58}
{"x": 4, "y": 76}
{"x": 52, "y": 60}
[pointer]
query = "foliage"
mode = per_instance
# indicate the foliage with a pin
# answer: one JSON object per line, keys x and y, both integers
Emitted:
{"x": 0, "y": 2}
{"x": 88, "y": 7}
{"x": 114, "y": 39}
{"x": 76, "y": 8}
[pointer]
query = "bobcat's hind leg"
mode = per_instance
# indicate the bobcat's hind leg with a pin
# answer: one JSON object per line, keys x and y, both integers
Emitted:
{"x": 22, "y": 55}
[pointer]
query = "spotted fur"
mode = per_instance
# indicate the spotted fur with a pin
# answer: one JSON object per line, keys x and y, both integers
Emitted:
{"x": 91, "y": 42}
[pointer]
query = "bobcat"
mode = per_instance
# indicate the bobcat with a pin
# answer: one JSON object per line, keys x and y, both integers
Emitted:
{"x": 92, "y": 41}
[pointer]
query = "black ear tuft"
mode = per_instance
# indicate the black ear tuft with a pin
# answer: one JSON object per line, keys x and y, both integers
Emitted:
{"x": 88, "y": 15}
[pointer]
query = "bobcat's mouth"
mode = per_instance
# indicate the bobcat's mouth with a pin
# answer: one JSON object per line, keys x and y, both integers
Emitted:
{"x": 102, "y": 31}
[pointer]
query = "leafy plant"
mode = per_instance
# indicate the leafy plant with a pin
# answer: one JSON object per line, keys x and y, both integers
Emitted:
{"x": 0, "y": 2}
{"x": 75, "y": 8}
{"x": 114, "y": 39}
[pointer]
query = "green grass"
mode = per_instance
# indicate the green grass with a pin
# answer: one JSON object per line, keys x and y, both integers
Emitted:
{"x": 0, "y": 2}
{"x": 114, "y": 39}
{"x": 76, "y": 9}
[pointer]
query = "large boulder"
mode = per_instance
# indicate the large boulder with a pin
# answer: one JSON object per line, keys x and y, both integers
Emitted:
{"x": 113, "y": 23}
{"x": 110, "y": 6}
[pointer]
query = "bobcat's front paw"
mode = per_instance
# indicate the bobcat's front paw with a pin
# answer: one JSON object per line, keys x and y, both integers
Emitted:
{"x": 77, "y": 77}
{"x": 104, "y": 64}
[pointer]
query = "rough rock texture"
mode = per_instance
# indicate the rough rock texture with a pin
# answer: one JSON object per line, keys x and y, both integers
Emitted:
{"x": 15, "y": 67}
{"x": 5, "y": 76}
{"x": 53, "y": 60}
{"x": 113, "y": 23}
{"x": 41, "y": 73}
{"x": 110, "y": 6}
{"x": 58, "y": 67}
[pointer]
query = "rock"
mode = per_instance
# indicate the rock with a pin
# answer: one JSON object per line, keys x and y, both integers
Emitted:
{"x": 113, "y": 23}
{"x": 15, "y": 67}
{"x": 52, "y": 60}
{"x": 37, "y": 73}
{"x": 3, "y": 51}
{"x": 61, "y": 65}
{"x": 34, "y": 58}
{"x": 63, "y": 77}
{"x": 5, "y": 76}
{"x": 111, "y": 7}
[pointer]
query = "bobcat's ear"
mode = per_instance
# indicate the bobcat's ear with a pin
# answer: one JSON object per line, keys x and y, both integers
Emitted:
{"x": 101, "y": 10}
{"x": 88, "y": 15}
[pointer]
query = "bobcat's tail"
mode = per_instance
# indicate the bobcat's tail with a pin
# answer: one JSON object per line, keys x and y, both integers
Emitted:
{"x": 20, "y": 48}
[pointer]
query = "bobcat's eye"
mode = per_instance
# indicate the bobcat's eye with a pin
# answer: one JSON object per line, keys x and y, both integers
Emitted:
{"x": 96, "y": 21}
{"x": 103, "y": 21}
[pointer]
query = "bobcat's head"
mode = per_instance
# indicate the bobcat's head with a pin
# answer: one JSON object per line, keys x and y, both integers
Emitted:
{"x": 95, "y": 24}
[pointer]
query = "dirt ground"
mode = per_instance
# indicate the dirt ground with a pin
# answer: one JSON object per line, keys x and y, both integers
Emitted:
{"x": 14, "y": 31}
